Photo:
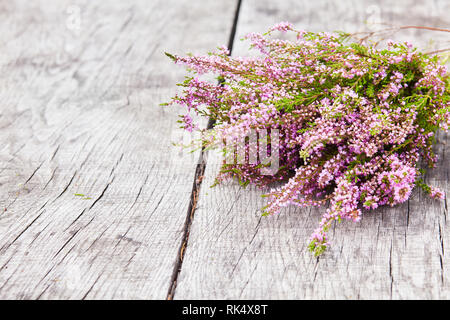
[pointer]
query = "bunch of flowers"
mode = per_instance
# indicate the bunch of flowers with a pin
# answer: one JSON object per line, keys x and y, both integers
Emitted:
{"x": 354, "y": 121}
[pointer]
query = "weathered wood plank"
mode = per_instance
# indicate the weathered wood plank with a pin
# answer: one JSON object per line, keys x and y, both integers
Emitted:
{"x": 234, "y": 253}
{"x": 80, "y": 91}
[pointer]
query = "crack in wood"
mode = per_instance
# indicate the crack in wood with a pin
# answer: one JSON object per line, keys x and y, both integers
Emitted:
{"x": 75, "y": 220}
{"x": 390, "y": 269}
{"x": 316, "y": 268}
{"x": 66, "y": 243}
{"x": 51, "y": 178}
{"x": 245, "y": 249}
{"x": 23, "y": 231}
{"x": 67, "y": 186}
{"x": 92, "y": 287}
{"x": 54, "y": 153}
{"x": 442, "y": 253}
{"x": 198, "y": 177}
{"x": 139, "y": 192}
{"x": 34, "y": 172}
{"x": 187, "y": 226}
{"x": 102, "y": 194}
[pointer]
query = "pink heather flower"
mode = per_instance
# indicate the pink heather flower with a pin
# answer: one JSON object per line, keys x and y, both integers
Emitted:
{"x": 353, "y": 128}
{"x": 188, "y": 123}
{"x": 300, "y": 34}
{"x": 436, "y": 193}
{"x": 282, "y": 26}
{"x": 401, "y": 194}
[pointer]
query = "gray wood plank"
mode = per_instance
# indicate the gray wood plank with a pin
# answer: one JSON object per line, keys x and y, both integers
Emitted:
{"x": 81, "y": 84}
{"x": 398, "y": 253}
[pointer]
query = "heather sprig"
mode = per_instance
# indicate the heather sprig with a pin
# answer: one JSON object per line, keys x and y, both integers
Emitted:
{"x": 354, "y": 120}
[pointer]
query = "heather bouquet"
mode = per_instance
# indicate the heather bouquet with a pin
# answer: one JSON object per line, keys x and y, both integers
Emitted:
{"x": 355, "y": 121}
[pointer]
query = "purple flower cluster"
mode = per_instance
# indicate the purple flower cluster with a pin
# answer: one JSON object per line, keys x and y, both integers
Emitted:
{"x": 354, "y": 120}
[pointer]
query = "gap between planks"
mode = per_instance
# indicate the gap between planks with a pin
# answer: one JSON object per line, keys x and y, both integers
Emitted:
{"x": 198, "y": 177}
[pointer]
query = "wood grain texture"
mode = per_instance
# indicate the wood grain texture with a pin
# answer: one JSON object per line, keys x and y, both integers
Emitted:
{"x": 394, "y": 253}
{"x": 93, "y": 200}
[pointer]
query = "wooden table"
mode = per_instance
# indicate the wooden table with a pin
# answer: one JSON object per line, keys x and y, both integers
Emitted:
{"x": 93, "y": 205}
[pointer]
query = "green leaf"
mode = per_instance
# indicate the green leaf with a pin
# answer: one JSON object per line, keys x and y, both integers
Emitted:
{"x": 370, "y": 91}
{"x": 171, "y": 56}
